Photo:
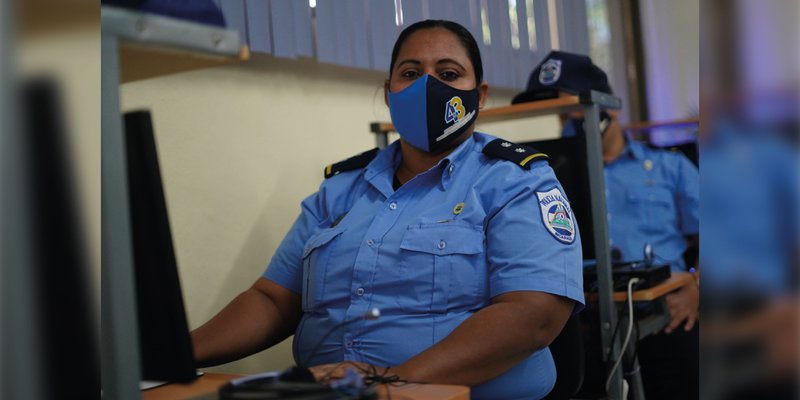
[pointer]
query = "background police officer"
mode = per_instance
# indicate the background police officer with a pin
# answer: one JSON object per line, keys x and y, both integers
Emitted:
{"x": 652, "y": 198}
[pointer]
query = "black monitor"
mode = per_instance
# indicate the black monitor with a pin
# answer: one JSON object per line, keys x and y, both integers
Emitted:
{"x": 165, "y": 346}
{"x": 568, "y": 160}
{"x": 58, "y": 302}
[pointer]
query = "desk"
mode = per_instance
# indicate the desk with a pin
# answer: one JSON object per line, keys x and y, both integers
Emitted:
{"x": 652, "y": 323}
{"x": 660, "y": 317}
{"x": 211, "y": 382}
{"x": 675, "y": 281}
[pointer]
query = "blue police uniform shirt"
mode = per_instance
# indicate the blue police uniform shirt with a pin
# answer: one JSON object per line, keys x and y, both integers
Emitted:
{"x": 652, "y": 196}
{"x": 751, "y": 193}
{"x": 359, "y": 244}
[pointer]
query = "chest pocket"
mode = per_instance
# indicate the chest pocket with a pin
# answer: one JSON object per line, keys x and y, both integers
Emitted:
{"x": 654, "y": 207}
{"x": 316, "y": 254}
{"x": 443, "y": 268}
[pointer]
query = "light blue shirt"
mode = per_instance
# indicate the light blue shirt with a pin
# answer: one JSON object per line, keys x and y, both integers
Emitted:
{"x": 751, "y": 195}
{"x": 652, "y": 196}
{"x": 359, "y": 244}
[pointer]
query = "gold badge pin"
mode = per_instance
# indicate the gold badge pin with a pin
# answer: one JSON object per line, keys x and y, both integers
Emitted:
{"x": 648, "y": 165}
{"x": 458, "y": 208}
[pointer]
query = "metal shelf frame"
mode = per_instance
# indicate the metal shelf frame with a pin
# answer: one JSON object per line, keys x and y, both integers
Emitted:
{"x": 119, "y": 331}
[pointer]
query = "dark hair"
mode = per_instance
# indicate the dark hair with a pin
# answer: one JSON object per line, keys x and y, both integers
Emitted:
{"x": 463, "y": 35}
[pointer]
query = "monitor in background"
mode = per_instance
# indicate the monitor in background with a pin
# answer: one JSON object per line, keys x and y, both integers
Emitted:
{"x": 51, "y": 331}
{"x": 568, "y": 160}
{"x": 165, "y": 345}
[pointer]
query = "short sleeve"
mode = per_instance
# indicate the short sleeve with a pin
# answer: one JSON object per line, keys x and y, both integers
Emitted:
{"x": 689, "y": 196}
{"x": 529, "y": 245}
{"x": 285, "y": 266}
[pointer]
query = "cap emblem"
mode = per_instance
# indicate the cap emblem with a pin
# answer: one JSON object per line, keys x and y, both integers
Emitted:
{"x": 550, "y": 72}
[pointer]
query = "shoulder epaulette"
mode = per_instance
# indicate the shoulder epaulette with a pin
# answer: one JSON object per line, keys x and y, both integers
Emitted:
{"x": 355, "y": 162}
{"x": 516, "y": 153}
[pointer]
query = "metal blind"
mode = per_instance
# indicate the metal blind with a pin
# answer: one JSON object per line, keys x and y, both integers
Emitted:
{"x": 361, "y": 33}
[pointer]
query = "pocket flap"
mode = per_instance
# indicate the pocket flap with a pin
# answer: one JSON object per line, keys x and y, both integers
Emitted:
{"x": 320, "y": 239}
{"x": 443, "y": 239}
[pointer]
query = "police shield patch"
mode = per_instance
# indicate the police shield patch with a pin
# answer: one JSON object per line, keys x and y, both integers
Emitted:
{"x": 557, "y": 215}
{"x": 550, "y": 72}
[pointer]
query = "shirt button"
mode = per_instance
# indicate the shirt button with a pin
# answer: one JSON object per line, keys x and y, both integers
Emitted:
{"x": 442, "y": 244}
{"x": 451, "y": 169}
{"x": 348, "y": 344}
{"x": 360, "y": 291}
{"x": 609, "y": 216}
{"x": 370, "y": 242}
{"x": 393, "y": 206}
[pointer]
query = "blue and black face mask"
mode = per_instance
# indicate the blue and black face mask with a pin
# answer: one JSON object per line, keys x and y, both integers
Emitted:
{"x": 430, "y": 114}
{"x": 574, "y": 127}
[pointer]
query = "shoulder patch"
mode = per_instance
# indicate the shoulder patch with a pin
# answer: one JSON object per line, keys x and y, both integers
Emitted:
{"x": 517, "y": 153}
{"x": 352, "y": 163}
{"x": 557, "y": 215}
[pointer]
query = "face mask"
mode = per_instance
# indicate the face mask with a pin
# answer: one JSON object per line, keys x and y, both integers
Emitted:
{"x": 429, "y": 114}
{"x": 574, "y": 127}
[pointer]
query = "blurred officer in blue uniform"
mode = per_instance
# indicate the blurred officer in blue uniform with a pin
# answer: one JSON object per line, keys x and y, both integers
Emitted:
{"x": 464, "y": 242}
{"x": 652, "y": 199}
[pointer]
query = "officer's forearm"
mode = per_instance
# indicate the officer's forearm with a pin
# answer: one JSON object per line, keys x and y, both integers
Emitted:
{"x": 258, "y": 318}
{"x": 492, "y": 341}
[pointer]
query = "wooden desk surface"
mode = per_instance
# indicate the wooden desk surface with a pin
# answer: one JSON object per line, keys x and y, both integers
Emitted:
{"x": 676, "y": 280}
{"x": 211, "y": 382}
{"x": 208, "y": 383}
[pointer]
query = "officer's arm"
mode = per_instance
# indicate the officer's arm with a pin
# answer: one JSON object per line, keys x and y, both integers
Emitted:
{"x": 492, "y": 341}
{"x": 259, "y": 317}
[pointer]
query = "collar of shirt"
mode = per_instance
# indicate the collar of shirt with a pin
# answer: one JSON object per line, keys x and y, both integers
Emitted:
{"x": 381, "y": 170}
{"x": 633, "y": 148}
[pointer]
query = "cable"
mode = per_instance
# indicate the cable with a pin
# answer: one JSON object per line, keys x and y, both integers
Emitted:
{"x": 627, "y": 335}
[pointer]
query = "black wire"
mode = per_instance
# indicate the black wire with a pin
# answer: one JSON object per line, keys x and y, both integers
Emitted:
{"x": 616, "y": 330}
{"x": 635, "y": 345}
{"x": 371, "y": 376}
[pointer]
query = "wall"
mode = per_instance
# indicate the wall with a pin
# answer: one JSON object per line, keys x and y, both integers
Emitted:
{"x": 241, "y": 146}
{"x": 672, "y": 57}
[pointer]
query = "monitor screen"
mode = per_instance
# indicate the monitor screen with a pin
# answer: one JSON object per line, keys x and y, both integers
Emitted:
{"x": 165, "y": 344}
{"x": 568, "y": 160}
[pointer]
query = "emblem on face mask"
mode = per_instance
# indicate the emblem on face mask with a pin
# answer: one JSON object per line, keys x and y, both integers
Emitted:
{"x": 550, "y": 72}
{"x": 456, "y": 114}
{"x": 454, "y": 110}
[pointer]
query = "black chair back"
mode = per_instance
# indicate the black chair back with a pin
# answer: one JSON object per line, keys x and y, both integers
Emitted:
{"x": 568, "y": 354}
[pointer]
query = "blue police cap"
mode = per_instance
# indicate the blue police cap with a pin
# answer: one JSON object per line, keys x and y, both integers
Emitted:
{"x": 562, "y": 71}
{"x": 201, "y": 11}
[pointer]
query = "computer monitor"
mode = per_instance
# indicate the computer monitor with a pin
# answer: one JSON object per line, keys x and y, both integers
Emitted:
{"x": 164, "y": 342}
{"x": 50, "y": 302}
{"x": 568, "y": 160}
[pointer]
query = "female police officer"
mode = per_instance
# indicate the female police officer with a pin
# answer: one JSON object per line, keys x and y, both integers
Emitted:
{"x": 465, "y": 243}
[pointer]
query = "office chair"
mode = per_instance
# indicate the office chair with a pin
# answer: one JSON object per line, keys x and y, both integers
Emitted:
{"x": 568, "y": 354}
